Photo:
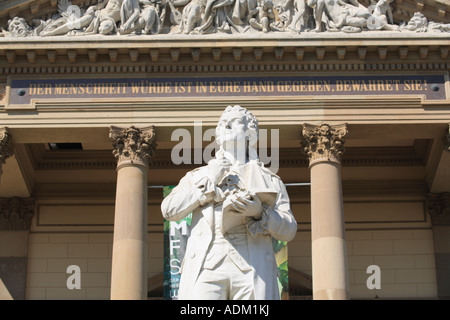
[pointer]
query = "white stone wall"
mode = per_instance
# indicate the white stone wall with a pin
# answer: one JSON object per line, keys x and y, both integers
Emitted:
{"x": 405, "y": 258}
{"x": 51, "y": 253}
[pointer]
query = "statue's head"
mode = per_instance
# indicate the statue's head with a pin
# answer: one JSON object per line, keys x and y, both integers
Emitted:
{"x": 238, "y": 125}
{"x": 18, "y": 27}
{"x": 132, "y": 132}
{"x": 417, "y": 22}
{"x": 266, "y": 4}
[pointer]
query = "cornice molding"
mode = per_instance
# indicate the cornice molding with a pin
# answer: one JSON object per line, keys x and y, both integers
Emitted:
{"x": 225, "y": 55}
{"x": 368, "y": 47}
{"x": 390, "y": 64}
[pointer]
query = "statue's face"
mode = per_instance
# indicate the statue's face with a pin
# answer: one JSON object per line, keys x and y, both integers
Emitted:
{"x": 324, "y": 131}
{"x": 267, "y": 5}
{"x": 233, "y": 127}
{"x": 415, "y": 23}
{"x": 18, "y": 27}
{"x": 132, "y": 135}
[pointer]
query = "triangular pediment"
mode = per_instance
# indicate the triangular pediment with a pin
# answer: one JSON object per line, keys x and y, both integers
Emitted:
{"x": 221, "y": 17}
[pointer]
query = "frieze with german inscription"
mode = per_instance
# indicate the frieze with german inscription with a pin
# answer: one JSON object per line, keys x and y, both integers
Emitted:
{"x": 28, "y": 91}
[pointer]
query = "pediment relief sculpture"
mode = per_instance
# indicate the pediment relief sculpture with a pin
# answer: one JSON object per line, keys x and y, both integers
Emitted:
{"x": 149, "y": 17}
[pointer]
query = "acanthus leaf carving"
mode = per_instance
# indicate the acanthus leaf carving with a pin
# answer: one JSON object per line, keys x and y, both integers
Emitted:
{"x": 6, "y": 147}
{"x": 16, "y": 213}
{"x": 136, "y": 145}
{"x": 323, "y": 142}
{"x": 438, "y": 206}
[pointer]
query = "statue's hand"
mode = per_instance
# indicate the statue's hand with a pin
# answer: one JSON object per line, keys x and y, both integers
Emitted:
{"x": 249, "y": 205}
{"x": 217, "y": 169}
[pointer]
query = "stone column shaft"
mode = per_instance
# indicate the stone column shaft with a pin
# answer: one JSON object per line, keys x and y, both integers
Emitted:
{"x": 129, "y": 268}
{"x": 15, "y": 222}
{"x": 328, "y": 236}
{"x": 438, "y": 206}
{"x": 133, "y": 148}
{"x": 324, "y": 146}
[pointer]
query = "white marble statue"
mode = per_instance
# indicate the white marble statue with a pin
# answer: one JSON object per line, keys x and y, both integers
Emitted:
{"x": 339, "y": 15}
{"x": 130, "y": 17}
{"x": 150, "y": 17}
{"x": 382, "y": 16}
{"x": 106, "y": 15}
{"x": 238, "y": 206}
{"x": 262, "y": 16}
{"x": 192, "y": 16}
{"x": 214, "y": 17}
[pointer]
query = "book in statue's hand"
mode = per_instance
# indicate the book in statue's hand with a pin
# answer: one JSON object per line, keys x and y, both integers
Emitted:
{"x": 232, "y": 218}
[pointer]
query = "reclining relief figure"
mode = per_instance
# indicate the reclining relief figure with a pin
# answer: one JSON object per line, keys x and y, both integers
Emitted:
{"x": 332, "y": 15}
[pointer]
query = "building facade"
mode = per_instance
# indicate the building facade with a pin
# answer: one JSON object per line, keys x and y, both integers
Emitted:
{"x": 102, "y": 104}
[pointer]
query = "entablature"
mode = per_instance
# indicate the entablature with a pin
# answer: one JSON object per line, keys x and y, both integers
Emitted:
{"x": 313, "y": 52}
{"x": 110, "y": 36}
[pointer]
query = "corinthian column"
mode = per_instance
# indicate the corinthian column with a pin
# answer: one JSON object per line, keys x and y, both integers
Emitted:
{"x": 133, "y": 148}
{"x": 323, "y": 144}
{"x": 6, "y": 149}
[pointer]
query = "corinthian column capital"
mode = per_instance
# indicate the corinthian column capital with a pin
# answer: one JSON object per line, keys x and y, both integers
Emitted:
{"x": 133, "y": 145}
{"x": 323, "y": 142}
{"x": 16, "y": 213}
{"x": 438, "y": 206}
{"x": 6, "y": 149}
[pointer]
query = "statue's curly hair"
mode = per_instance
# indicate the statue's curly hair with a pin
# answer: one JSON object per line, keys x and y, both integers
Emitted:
{"x": 251, "y": 133}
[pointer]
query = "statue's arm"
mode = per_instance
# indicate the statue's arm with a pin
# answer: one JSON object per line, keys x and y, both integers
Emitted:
{"x": 389, "y": 15}
{"x": 278, "y": 221}
{"x": 135, "y": 13}
{"x": 183, "y": 199}
{"x": 281, "y": 223}
{"x": 191, "y": 192}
